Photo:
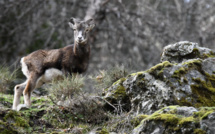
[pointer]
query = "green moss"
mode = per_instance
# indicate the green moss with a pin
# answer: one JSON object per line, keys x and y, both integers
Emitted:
{"x": 208, "y": 55}
{"x": 60, "y": 118}
{"x": 6, "y": 129}
{"x": 158, "y": 69}
{"x": 209, "y": 84}
{"x": 171, "y": 109}
{"x": 199, "y": 131}
{"x": 196, "y": 54}
{"x": 193, "y": 63}
{"x": 136, "y": 120}
{"x": 6, "y": 98}
{"x": 184, "y": 102}
{"x": 204, "y": 112}
{"x": 103, "y": 131}
{"x": 120, "y": 81}
{"x": 41, "y": 101}
{"x": 167, "y": 118}
{"x": 186, "y": 120}
{"x": 204, "y": 91}
{"x": 174, "y": 122}
{"x": 119, "y": 92}
{"x": 185, "y": 80}
{"x": 180, "y": 72}
{"x": 16, "y": 118}
{"x": 138, "y": 73}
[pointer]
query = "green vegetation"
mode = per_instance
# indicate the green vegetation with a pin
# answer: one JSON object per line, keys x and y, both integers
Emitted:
{"x": 13, "y": 122}
{"x": 103, "y": 131}
{"x": 106, "y": 78}
{"x": 66, "y": 87}
{"x": 82, "y": 116}
{"x": 136, "y": 120}
{"x": 205, "y": 90}
{"x": 69, "y": 109}
{"x": 199, "y": 131}
{"x": 158, "y": 69}
{"x": 174, "y": 122}
{"x": 6, "y": 79}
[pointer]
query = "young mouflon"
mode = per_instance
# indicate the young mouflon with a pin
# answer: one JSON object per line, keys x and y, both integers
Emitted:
{"x": 43, "y": 66}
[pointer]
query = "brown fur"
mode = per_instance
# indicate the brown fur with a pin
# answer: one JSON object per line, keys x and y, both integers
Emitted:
{"x": 65, "y": 59}
{"x": 69, "y": 59}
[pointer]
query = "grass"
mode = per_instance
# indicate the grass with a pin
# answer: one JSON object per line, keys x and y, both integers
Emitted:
{"x": 6, "y": 78}
{"x": 106, "y": 78}
{"x": 66, "y": 87}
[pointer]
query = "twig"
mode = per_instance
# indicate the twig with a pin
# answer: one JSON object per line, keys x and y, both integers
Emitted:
{"x": 106, "y": 102}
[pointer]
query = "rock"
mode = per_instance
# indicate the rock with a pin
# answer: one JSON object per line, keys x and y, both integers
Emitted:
{"x": 117, "y": 95}
{"x": 208, "y": 124}
{"x": 172, "y": 120}
{"x": 184, "y": 50}
{"x": 187, "y": 78}
{"x": 186, "y": 111}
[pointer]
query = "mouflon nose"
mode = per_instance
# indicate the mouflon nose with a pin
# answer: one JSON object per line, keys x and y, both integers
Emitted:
{"x": 79, "y": 38}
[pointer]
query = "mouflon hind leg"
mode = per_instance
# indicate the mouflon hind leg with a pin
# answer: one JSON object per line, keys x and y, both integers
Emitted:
{"x": 18, "y": 89}
{"x": 30, "y": 85}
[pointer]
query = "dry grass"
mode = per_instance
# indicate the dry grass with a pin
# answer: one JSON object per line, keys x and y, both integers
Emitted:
{"x": 106, "y": 78}
{"x": 65, "y": 88}
{"x": 68, "y": 94}
{"x": 6, "y": 78}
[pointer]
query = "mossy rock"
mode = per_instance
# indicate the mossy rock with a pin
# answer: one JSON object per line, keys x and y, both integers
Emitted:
{"x": 174, "y": 122}
{"x": 116, "y": 94}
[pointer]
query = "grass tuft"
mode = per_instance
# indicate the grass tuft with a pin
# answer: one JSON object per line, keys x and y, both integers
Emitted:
{"x": 106, "y": 78}
{"x": 66, "y": 87}
{"x": 6, "y": 78}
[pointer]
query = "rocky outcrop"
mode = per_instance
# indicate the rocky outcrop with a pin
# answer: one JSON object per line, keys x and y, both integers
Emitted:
{"x": 178, "y": 120}
{"x": 190, "y": 82}
{"x": 173, "y": 97}
{"x": 185, "y": 50}
{"x": 185, "y": 77}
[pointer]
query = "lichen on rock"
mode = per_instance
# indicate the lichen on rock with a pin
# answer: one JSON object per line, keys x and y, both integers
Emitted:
{"x": 186, "y": 78}
{"x": 172, "y": 119}
{"x": 174, "y": 96}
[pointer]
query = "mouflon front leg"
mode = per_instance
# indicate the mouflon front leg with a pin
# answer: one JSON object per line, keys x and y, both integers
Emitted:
{"x": 18, "y": 89}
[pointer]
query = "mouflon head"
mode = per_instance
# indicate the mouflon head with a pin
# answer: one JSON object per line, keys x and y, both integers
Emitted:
{"x": 81, "y": 29}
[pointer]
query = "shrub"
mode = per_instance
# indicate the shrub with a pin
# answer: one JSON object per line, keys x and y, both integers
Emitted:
{"x": 106, "y": 78}
{"x": 68, "y": 94}
{"x": 6, "y": 78}
{"x": 65, "y": 88}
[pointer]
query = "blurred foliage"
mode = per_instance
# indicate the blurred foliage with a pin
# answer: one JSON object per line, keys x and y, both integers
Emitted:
{"x": 127, "y": 32}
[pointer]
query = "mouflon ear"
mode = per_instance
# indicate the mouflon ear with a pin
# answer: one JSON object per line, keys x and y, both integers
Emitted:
{"x": 90, "y": 23}
{"x": 72, "y": 22}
